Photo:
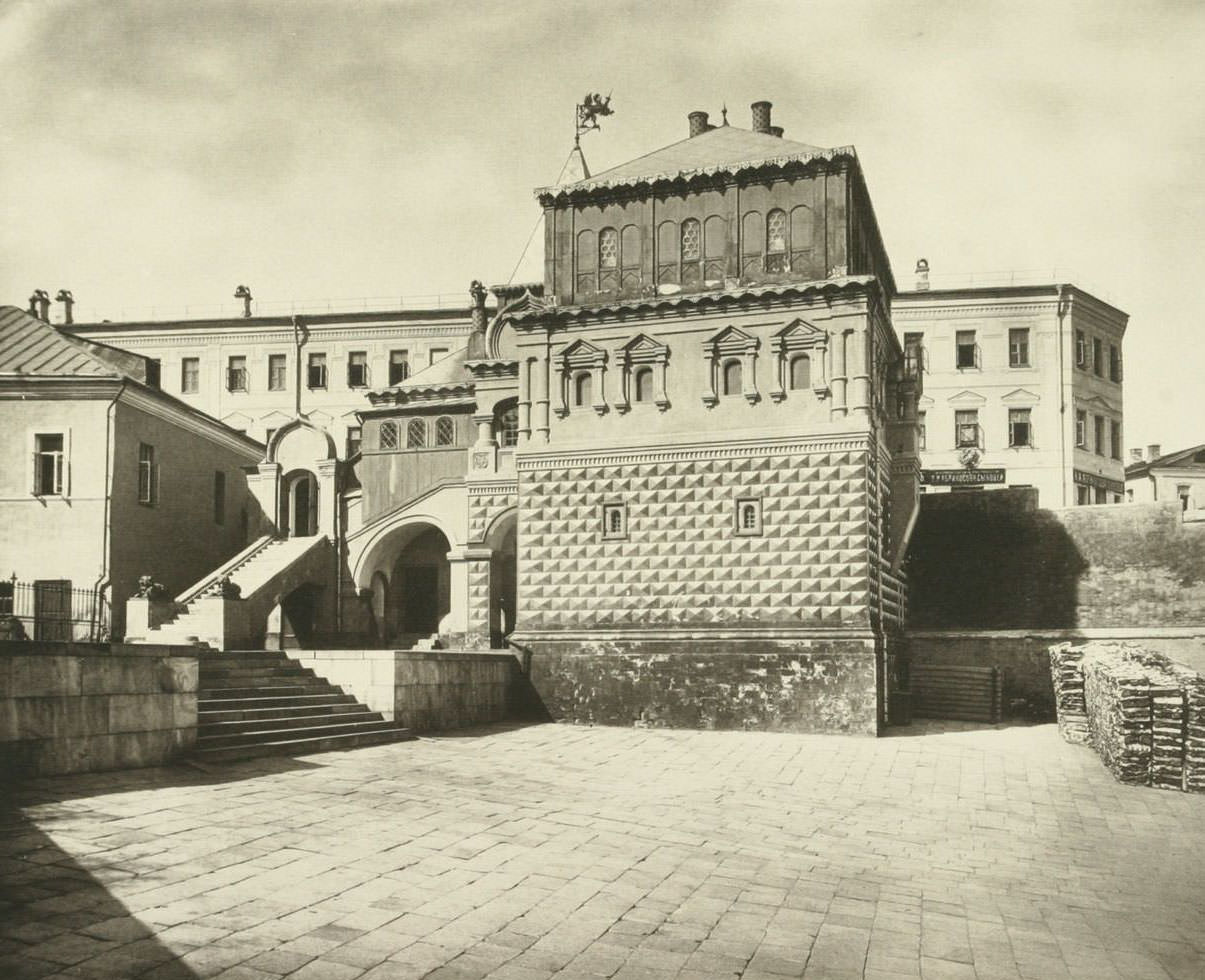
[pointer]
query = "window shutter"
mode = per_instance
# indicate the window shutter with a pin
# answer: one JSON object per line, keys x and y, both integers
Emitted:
{"x": 65, "y": 475}
{"x": 33, "y": 474}
{"x": 155, "y": 486}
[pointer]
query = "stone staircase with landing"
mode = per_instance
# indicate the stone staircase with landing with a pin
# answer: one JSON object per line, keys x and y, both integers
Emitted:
{"x": 258, "y": 703}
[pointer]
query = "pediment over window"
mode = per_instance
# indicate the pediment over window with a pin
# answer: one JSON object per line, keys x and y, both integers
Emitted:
{"x": 583, "y": 354}
{"x": 643, "y": 348}
{"x": 1098, "y": 403}
{"x": 274, "y": 420}
{"x": 970, "y": 398}
{"x": 800, "y": 332}
{"x": 1021, "y": 397}
{"x": 925, "y": 402}
{"x": 320, "y": 418}
{"x": 732, "y": 340}
{"x": 237, "y": 420}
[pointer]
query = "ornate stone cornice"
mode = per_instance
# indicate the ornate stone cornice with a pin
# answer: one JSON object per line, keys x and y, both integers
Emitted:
{"x": 492, "y": 489}
{"x": 843, "y": 442}
{"x": 492, "y": 369}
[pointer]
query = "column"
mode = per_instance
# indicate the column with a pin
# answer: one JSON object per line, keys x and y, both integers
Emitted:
{"x": 839, "y": 379}
{"x": 542, "y": 426}
{"x": 859, "y": 372}
{"x": 467, "y": 625}
{"x": 328, "y": 502}
{"x": 525, "y": 368}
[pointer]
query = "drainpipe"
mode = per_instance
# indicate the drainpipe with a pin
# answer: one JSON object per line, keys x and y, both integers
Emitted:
{"x": 1061, "y": 312}
{"x": 107, "y": 525}
{"x": 300, "y": 336}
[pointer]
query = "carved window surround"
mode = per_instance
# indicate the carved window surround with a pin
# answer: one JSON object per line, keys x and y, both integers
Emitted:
{"x": 639, "y": 352}
{"x": 799, "y": 337}
{"x": 582, "y": 356}
{"x": 728, "y": 343}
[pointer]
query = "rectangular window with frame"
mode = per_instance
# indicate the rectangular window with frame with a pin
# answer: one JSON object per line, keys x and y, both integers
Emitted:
{"x": 1020, "y": 428}
{"x": 614, "y": 521}
{"x": 1098, "y": 434}
{"x": 1081, "y": 429}
{"x": 357, "y": 369}
{"x": 48, "y": 464}
{"x": 920, "y": 424}
{"x": 1115, "y": 439}
{"x": 1098, "y": 357}
{"x": 277, "y": 376}
{"x": 748, "y": 516}
{"x": 190, "y": 375}
{"x": 1083, "y": 495}
{"x": 154, "y": 372}
{"x": 1018, "y": 347}
{"x": 353, "y": 441}
{"x": 966, "y": 428}
{"x": 1115, "y": 363}
{"x": 236, "y": 373}
{"x": 316, "y": 371}
{"x": 966, "y": 350}
{"x": 438, "y": 354}
{"x": 147, "y": 475}
{"x": 219, "y": 497}
{"x": 399, "y": 366}
{"x": 915, "y": 356}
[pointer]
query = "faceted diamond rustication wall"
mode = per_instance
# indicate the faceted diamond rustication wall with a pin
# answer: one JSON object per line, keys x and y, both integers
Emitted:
{"x": 486, "y": 504}
{"x": 682, "y": 562}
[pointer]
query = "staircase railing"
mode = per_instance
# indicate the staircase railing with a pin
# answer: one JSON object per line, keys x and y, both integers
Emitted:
{"x": 256, "y": 546}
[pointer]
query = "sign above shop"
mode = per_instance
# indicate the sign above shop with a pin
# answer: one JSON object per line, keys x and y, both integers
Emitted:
{"x": 961, "y": 478}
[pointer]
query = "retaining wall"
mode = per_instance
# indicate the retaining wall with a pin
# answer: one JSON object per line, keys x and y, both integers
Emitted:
{"x": 67, "y": 708}
{"x": 425, "y": 690}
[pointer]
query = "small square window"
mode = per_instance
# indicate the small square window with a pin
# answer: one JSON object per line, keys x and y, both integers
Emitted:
{"x": 748, "y": 516}
{"x": 615, "y": 521}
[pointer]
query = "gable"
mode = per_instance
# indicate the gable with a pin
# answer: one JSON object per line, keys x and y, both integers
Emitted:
{"x": 970, "y": 399}
{"x": 1021, "y": 396}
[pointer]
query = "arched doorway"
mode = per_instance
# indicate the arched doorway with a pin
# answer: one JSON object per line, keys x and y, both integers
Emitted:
{"x": 503, "y": 578}
{"x": 420, "y": 587}
{"x": 299, "y": 506}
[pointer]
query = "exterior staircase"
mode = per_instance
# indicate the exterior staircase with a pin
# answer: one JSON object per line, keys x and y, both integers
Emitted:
{"x": 258, "y": 703}
{"x": 261, "y": 571}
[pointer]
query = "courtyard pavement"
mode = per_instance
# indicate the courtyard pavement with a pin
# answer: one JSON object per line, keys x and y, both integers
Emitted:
{"x": 555, "y": 851}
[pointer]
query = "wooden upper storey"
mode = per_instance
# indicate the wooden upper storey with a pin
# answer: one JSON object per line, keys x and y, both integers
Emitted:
{"x": 724, "y": 209}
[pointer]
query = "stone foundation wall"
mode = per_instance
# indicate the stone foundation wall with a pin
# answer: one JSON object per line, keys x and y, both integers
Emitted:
{"x": 1144, "y": 714}
{"x": 802, "y": 685}
{"x": 67, "y": 708}
{"x": 425, "y": 690}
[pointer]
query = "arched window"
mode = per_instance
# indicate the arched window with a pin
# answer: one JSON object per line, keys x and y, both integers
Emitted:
{"x": 753, "y": 238}
{"x": 748, "y": 517}
{"x": 587, "y": 263}
{"x": 445, "y": 431}
{"x": 802, "y": 232}
{"x": 776, "y": 241}
{"x": 615, "y": 521}
{"x": 732, "y": 377}
{"x": 692, "y": 251}
{"x": 801, "y": 372}
{"x": 389, "y": 436}
{"x": 715, "y": 248}
{"x": 583, "y": 390}
{"x": 642, "y": 385}
{"x": 506, "y": 424}
{"x": 608, "y": 259}
{"x": 629, "y": 257}
{"x": 416, "y": 434}
{"x": 667, "y": 252}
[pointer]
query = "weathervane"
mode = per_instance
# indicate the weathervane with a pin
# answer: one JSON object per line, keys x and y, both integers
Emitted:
{"x": 588, "y": 112}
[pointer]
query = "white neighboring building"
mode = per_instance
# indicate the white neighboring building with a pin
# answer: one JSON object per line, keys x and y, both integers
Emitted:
{"x": 1155, "y": 476}
{"x": 244, "y": 370}
{"x": 1024, "y": 383}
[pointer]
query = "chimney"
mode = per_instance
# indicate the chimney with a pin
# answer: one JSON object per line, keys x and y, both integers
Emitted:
{"x": 64, "y": 296}
{"x": 1152, "y": 452}
{"x": 761, "y": 117}
{"x": 922, "y": 275}
{"x": 39, "y": 305}
{"x": 1136, "y": 455}
{"x": 477, "y": 349}
{"x": 775, "y": 131}
{"x": 698, "y": 123}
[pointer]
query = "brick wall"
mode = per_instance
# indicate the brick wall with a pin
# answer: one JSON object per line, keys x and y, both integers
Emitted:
{"x": 1144, "y": 714}
{"x": 81, "y": 708}
{"x": 995, "y": 560}
{"x": 818, "y": 685}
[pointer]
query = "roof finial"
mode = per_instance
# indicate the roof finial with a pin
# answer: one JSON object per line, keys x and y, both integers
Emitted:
{"x": 724, "y": 113}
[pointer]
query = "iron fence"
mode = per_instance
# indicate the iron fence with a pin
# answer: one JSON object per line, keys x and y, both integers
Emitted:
{"x": 53, "y": 610}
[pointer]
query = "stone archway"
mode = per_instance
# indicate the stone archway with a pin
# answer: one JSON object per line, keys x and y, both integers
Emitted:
{"x": 501, "y": 540}
{"x": 420, "y": 586}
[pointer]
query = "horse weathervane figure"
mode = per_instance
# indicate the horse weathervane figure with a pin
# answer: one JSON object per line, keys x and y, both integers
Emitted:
{"x": 588, "y": 112}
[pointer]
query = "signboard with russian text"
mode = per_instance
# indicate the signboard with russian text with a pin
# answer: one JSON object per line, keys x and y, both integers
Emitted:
{"x": 1100, "y": 482}
{"x": 961, "y": 478}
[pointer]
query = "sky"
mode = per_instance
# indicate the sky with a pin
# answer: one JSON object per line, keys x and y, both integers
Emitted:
{"x": 154, "y": 155}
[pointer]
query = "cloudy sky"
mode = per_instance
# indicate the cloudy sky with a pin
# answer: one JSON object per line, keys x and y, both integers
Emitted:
{"x": 155, "y": 154}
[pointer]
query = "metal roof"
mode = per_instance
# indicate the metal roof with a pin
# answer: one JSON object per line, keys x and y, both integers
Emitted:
{"x": 29, "y": 346}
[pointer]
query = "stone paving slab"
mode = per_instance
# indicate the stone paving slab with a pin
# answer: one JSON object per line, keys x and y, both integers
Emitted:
{"x": 555, "y": 851}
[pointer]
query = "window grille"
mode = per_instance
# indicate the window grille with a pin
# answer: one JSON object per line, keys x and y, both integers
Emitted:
{"x": 615, "y": 520}
{"x": 776, "y": 241}
{"x": 387, "y": 435}
{"x": 416, "y": 434}
{"x": 748, "y": 516}
{"x": 445, "y": 431}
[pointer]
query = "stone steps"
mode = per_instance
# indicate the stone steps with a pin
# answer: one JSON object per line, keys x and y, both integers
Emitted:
{"x": 255, "y": 704}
